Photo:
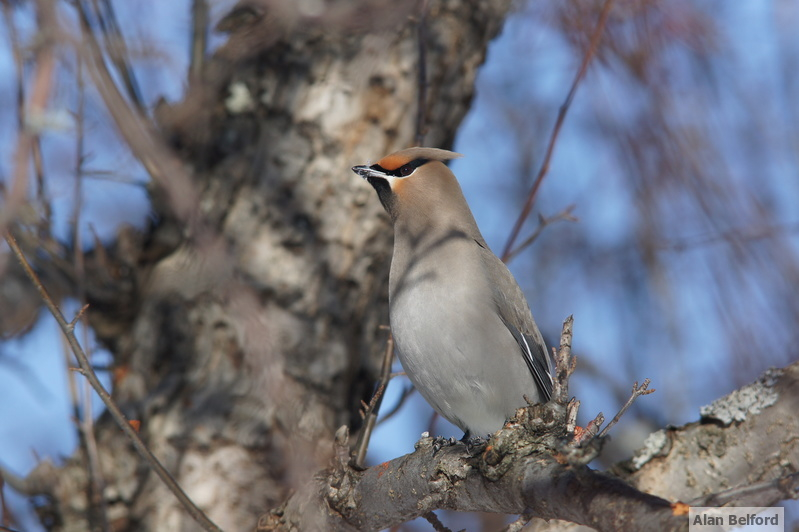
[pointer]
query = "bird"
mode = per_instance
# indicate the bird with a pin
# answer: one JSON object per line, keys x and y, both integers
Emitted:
{"x": 462, "y": 328}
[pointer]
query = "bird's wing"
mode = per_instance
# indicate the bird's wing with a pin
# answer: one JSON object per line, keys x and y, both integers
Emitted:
{"x": 538, "y": 362}
{"x": 516, "y": 316}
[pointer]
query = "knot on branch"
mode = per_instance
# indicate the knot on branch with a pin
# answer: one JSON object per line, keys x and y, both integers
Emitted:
{"x": 534, "y": 429}
{"x": 341, "y": 477}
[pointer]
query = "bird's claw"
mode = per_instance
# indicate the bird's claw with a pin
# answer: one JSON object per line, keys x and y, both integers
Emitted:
{"x": 474, "y": 444}
{"x": 439, "y": 442}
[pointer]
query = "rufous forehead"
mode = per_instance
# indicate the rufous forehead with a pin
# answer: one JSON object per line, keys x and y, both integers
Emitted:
{"x": 393, "y": 161}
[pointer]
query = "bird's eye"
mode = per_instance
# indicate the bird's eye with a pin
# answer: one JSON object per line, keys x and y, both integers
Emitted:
{"x": 406, "y": 170}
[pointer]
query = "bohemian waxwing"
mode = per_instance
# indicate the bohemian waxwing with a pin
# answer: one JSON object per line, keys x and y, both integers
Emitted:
{"x": 462, "y": 327}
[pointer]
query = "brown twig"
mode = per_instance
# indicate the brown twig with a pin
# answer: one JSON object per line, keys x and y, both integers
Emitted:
{"x": 406, "y": 392}
{"x": 564, "y": 215}
{"x": 98, "y": 514}
{"x": 41, "y": 85}
{"x": 199, "y": 38}
{"x": 36, "y": 145}
{"x": 421, "y": 102}
{"x": 78, "y": 316}
{"x": 565, "y": 363}
{"x": 140, "y": 134}
{"x": 112, "y": 407}
{"x": 636, "y": 393}
{"x": 370, "y": 411}
{"x": 542, "y": 172}
{"x": 16, "y": 54}
{"x": 118, "y": 51}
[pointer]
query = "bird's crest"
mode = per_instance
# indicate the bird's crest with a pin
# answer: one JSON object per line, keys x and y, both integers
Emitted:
{"x": 397, "y": 159}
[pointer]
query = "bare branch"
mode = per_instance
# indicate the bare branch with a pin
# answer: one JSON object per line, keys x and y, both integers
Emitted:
{"x": 41, "y": 86}
{"x": 565, "y": 363}
{"x": 372, "y": 409}
{"x": 98, "y": 510}
{"x": 113, "y": 409}
{"x": 118, "y": 51}
{"x": 407, "y": 390}
{"x": 78, "y": 316}
{"x": 533, "y": 483}
{"x": 542, "y": 172}
{"x": 521, "y": 470}
{"x": 564, "y": 215}
{"x": 637, "y": 392}
{"x": 139, "y": 133}
{"x": 199, "y": 38}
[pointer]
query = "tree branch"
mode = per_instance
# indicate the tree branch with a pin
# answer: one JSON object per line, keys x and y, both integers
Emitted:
{"x": 527, "y": 467}
{"x": 85, "y": 364}
{"x": 745, "y": 438}
{"x": 520, "y": 471}
{"x": 553, "y": 138}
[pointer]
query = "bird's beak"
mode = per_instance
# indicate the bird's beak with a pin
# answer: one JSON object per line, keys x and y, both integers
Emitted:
{"x": 367, "y": 172}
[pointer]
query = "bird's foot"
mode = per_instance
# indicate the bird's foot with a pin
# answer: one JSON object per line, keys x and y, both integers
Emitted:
{"x": 439, "y": 442}
{"x": 474, "y": 444}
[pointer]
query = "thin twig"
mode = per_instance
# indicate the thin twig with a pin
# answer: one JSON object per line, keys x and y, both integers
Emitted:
{"x": 113, "y": 409}
{"x": 85, "y": 419}
{"x": 199, "y": 38}
{"x": 564, "y": 215}
{"x": 406, "y": 392}
{"x": 140, "y": 133}
{"x": 118, "y": 51}
{"x": 565, "y": 363}
{"x": 16, "y": 54}
{"x": 41, "y": 86}
{"x": 421, "y": 102}
{"x": 786, "y": 487}
{"x": 371, "y": 410}
{"x": 542, "y": 172}
{"x": 636, "y": 393}
{"x": 36, "y": 147}
{"x": 78, "y": 316}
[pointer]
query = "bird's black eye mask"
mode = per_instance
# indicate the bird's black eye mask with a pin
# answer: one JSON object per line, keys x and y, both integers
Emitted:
{"x": 403, "y": 171}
